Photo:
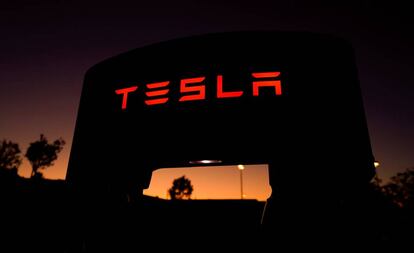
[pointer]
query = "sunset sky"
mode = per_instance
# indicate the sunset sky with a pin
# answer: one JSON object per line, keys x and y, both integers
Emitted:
{"x": 222, "y": 182}
{"x": 47, "y": 46}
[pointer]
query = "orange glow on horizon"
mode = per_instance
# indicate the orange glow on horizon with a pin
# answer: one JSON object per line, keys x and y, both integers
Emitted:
{"x": 214, "y": 182}
{"x": 56, "y": 171}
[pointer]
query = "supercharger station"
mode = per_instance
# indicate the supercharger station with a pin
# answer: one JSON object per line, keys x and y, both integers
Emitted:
{"x": 287, "y": 99}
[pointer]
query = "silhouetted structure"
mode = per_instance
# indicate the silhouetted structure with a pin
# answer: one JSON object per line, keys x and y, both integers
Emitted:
{"x": 290, "y": 100}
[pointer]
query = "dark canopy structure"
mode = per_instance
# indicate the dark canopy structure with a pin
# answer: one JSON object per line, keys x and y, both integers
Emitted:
{"x": 287, "y": 99}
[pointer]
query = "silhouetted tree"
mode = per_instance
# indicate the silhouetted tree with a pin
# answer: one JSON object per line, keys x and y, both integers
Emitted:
{"x": 401, "y": 188}
{"x": 376, "y": 183}
{"x": 181, "y": 188}
{"x": 10, "y": 158}
{"x": 42, "y": 154}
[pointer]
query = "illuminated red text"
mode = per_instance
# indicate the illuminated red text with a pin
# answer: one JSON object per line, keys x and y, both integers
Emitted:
{"x": 195, "y": 89}
{"x": 124, "y": 92}
{"x": 155, "y": 94}
{"x": 269, "y": 83}
{"x": 186, "y": 87}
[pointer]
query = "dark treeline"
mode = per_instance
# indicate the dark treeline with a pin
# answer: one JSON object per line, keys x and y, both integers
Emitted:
{"x": 33, "y": 209}
{"x": 37, "y": 214}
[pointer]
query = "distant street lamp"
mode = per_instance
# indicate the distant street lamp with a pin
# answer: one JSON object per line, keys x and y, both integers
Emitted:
{"x": 376, "y": 164}
{"x": 241, "y": 168}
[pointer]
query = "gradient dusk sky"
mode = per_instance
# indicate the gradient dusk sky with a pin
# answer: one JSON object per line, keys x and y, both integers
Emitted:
{"x": 47, "y": 46}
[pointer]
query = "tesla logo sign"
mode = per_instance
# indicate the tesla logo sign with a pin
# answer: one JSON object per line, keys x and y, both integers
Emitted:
{"x": 195, "y": 89}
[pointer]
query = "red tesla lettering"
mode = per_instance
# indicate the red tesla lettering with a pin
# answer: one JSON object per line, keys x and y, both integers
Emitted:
{"x": 199, "y": 89}
{"x": 225, "y": 94}
{"x": 269, "y": 83}
{"x": 195, "y": 89}
{"x": 157, "y": 93}
{"x": 125, "y": 92}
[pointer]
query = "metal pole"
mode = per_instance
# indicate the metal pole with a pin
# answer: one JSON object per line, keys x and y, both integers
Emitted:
{"x": 241, "y": 183}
